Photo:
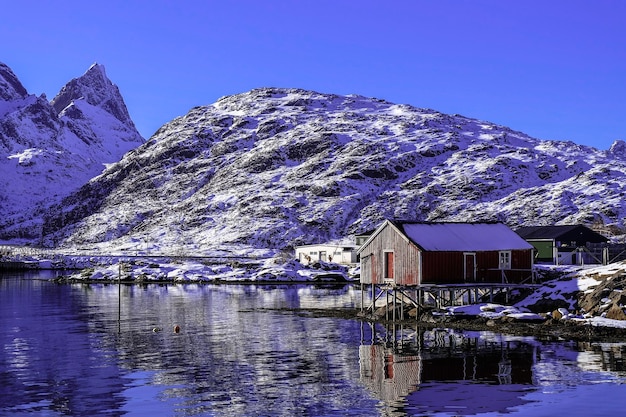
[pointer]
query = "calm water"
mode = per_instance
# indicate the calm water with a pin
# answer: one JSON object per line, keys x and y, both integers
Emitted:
{"x": 75, "y": 350}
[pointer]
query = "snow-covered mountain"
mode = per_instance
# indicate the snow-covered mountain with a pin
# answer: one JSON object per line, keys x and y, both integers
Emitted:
{"x": 49, "y": 149}
{"x": 272, "y": 167}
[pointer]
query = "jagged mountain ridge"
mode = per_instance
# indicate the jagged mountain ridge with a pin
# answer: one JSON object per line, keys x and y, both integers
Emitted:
{"x": 97, "y": 90}
{"x": 272, "y": 168}
{"x": 49, "y": 149}
{"x": 10, "y": 86}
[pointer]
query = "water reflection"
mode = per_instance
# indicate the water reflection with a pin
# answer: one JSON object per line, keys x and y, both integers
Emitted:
{"x": 87, "y": 350}
{"x": 448, "y": 372}
{"x": 49, "y": 361}
{"x": 490, "y": 373}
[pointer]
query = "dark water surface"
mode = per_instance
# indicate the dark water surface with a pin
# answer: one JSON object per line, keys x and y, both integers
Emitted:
{"x": 93, "y": 350}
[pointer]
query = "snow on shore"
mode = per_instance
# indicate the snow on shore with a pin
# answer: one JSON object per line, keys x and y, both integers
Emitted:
{"x": 572, "y": 289}
{"x": 131, "y": 269}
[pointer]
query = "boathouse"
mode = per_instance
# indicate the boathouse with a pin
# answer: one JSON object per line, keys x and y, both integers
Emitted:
{"x": 402, "y": 253}
{"x": 564, "y": 244}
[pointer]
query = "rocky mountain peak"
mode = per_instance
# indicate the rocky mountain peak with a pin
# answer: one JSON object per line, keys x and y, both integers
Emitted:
{"x": 618, "y": 148}
{"x": 97, "y": 90}
{"x": 49, "y": 149}
{"x": 10, "y": 86}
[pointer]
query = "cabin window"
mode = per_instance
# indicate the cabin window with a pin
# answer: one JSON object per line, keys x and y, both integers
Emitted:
{"x": 388, "y": 265}
{"x": 313, "y": 253}
{"x": 505, "y": 259}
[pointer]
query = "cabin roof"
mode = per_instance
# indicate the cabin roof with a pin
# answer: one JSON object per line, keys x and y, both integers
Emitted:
{"x": 462, "y": 236}
{"x": 343, "y": 246}
{"x": 572, "y": 232}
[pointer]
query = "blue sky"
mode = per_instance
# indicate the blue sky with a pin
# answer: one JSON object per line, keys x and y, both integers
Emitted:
{"x": 552, "y": 69}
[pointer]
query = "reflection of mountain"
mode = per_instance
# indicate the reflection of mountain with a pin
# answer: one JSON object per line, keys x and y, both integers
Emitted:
{"x": 47, "y": 366}
{"x": 572, "y": 366}
{"x": 240, "y": 350}
{"x": 440, "y": 371}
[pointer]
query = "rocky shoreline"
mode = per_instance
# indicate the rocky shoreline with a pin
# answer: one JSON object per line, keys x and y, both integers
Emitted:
{"x": 549, "y": 329}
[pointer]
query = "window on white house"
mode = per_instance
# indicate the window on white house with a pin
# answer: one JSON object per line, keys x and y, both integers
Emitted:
{"x": 505, "y": 259}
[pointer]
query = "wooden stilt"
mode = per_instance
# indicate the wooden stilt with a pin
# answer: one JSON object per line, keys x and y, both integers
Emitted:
{"x": 386, "y": 304}
{"x": 362, "y": 297}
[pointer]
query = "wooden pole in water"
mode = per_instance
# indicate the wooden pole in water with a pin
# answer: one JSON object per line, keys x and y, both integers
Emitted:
{"x": 386, "y": 304}
{"x": 394, "y": 303}
{"x": 362, "y": 298}
{"x": 119, "y": 298}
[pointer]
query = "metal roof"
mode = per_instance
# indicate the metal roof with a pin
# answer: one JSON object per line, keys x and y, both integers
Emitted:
{"x": 572, "y": 232}
{"x": 463, "y": 236}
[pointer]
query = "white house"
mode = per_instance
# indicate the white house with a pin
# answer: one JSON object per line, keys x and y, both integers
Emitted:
{"x": 327, "y": 252}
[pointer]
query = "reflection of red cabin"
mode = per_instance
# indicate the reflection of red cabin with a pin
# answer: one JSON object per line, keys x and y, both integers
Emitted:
{"x": 412, "y": 253}
{"x": 389, "y": 375}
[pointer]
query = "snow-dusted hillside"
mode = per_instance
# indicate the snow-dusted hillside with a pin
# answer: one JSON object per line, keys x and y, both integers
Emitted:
{"x": 271, "y": 168}
{"x": 49, "y": 149}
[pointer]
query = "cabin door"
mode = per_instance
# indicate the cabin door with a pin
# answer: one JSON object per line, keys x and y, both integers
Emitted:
{"x": 469, "y": 267}
{"x": 388, "y": 267}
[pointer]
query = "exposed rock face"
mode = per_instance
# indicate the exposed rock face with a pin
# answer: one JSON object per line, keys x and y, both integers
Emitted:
{"x": 607, "y": 298}
{"x": 272, "y": 168}
{"x": 615, "y": 312}
{"x": 45, "y": 154}
{"x": 618, "y": 148}
{"x": 10, "y": 86}
{"x": 96, "y": 89}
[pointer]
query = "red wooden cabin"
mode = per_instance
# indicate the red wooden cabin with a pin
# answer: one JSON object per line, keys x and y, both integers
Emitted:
{"x": 415, "y": 253}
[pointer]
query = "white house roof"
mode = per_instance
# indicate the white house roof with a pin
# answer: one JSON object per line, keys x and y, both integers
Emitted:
{"x": 463, "y": 236}
{"x": 342, "y": 246}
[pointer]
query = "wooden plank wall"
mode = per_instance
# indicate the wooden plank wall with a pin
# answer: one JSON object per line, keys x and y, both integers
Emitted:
{"x": 406, "y": 259}
{"x": 447, "y": 267}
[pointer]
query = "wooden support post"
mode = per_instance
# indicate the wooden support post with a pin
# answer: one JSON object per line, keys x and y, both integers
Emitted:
{"x": 386, "y": 304}
{"x": 362, "y": 297}
{"x": 417, "y": 304}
